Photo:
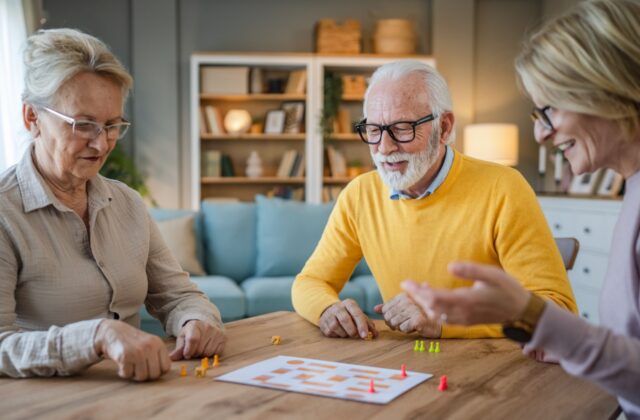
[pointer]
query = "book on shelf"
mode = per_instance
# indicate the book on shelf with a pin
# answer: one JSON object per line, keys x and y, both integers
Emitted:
{"x": 204, "y": 127}
{"x": 224, "y": 80}
{"x": 298, "y": 166}
{"x": 211, "y": 163}
{"x": 214, "y": 120}
{"x": 297, "y": 82}
{"x": 331, "y": 193}
{"x": 286, "y": 163}
{"x": 226, "y": 165}
{"x": 344, "y": 120}
{"x": 337, "y": 162}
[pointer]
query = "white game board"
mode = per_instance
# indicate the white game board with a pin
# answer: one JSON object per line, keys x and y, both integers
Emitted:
{"x": 327, "y": 379}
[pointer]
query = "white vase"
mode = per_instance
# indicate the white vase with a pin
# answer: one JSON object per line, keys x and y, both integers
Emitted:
{"x": 254, "y": 165}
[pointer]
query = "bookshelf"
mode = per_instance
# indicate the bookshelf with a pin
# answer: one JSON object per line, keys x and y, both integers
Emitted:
{"x": 236, "y": 71}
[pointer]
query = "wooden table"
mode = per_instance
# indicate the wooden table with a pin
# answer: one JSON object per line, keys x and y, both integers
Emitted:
{"x": 487, "y": 379}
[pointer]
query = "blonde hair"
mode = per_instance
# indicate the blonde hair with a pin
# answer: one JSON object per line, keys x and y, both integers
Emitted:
{"x": 587, "y": 61}
{"x": 54, "y": 56}
{"x": 434, "y": 84}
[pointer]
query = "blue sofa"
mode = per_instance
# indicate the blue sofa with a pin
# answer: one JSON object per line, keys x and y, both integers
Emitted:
{"x": 252, "y": 252}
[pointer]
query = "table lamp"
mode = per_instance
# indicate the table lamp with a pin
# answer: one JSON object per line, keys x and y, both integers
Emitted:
{"x": 493, "y": 142}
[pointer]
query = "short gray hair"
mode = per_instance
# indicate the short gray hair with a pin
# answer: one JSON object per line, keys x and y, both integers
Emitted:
{"x": 54, "y": 56}
{"x": 434, "y": 85}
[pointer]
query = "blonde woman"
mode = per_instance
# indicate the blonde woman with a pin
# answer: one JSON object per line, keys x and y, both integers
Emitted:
{"x": 79, "y": 254}
{"x": 582, "y": 72}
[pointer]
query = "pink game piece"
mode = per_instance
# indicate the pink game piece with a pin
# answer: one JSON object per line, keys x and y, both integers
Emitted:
{"x": 443, "y": 383}
{"x": 403, "y": 372}
{"x": 371, "y": 387}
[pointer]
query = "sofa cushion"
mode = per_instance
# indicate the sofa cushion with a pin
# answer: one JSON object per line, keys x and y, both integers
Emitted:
{"x": 371, "y": 293}
{"x": 287, "y": 233}
{"x": 230, "y": 239}
{"x": 269, "y": 294}
{"x": 160, "y": 215}
{"x": 225, "y": 294}
{"x": 180, "y": 237}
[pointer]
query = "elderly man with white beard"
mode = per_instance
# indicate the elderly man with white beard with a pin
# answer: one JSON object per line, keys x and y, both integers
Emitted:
{"x": 426, "y": 205}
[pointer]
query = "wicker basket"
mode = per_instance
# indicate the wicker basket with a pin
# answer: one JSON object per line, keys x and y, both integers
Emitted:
{"x": 394, "y": 36}
{"x": 332, "y": 38}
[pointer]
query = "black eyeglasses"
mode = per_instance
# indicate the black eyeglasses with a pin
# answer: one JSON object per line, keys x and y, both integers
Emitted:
{"x": 541, "y": 114}
{"x": 400, "y": 131}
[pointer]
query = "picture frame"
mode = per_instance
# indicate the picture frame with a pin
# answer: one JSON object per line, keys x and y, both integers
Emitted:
{"x": 585, "y": 184}
{"x": 611, "y": 183}
{"x": 274, "y": 121}
{"x": 294, "y": 117}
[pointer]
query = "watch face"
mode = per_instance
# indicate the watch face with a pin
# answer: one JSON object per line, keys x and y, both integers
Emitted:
{"x": 517, "y": 334}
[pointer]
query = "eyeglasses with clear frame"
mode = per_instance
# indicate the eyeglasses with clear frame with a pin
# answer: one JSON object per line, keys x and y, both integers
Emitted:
{"x": 399, "y": 131}
{"x": 90, "y": 130}
{"x": 541, "y": 115}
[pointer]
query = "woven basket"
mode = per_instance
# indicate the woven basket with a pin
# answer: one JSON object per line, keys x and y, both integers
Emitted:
{"x": 394, "y": 36}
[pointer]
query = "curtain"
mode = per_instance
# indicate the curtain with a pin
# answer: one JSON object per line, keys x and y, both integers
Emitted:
{"x": 13, "y": 33}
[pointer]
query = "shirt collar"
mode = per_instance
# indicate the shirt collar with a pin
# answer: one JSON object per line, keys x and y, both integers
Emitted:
{"x": 437, "y": 181}
{"x": 36, "y": 194}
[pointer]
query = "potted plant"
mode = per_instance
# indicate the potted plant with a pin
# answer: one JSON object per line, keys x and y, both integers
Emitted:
{"x": 119, "y": 166}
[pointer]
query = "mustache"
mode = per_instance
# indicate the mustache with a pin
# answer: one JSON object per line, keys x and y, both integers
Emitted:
{"x": 392, "y": 158}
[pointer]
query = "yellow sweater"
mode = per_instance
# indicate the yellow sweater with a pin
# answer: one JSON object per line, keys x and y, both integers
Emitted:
{"x": 482, "y": 212}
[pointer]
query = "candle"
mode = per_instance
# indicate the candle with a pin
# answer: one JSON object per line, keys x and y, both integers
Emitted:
{"x": 557, "y": 171}
{"x": 542, "y": 159}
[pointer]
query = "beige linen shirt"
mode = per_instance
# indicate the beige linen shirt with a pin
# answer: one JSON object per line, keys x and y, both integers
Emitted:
{"x": 58, "y": 280}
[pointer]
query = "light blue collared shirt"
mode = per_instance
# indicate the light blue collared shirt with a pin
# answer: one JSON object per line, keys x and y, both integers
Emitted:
{"x": 439, "y": 179}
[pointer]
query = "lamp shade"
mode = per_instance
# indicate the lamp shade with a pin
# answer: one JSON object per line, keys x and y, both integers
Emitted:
{"x": 493, "y": 142}
{"x": 237, "y": 121}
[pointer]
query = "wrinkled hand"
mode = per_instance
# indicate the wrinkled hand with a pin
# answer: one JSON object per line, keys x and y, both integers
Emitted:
{"x": 139, "y": 356}
{"x": 402, "y": 313}
{"x": 495, "y": 297}
{"x": 198, "y": 338}
{"x": 346, "y": 319}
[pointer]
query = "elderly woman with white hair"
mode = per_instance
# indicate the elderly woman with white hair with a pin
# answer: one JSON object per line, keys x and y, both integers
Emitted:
{"x": 79, "y": 253}
{"x": 582, "y": 72}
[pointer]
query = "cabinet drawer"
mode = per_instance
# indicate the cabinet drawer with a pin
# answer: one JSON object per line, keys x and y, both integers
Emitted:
{"x": 589, "y": 270}
{"x": 562, "y": 223}
{"x": 595, "y": 230}
{"x": 588, "y": 303}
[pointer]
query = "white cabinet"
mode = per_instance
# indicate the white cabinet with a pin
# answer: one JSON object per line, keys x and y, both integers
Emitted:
{"x": 591, "y": 222}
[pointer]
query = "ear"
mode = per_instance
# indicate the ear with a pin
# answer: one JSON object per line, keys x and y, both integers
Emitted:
{"x": 30, "y": 119}
{"x": 446, "y": 126}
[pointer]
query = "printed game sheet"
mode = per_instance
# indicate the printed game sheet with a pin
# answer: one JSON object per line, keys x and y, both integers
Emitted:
{"x": 327, "y": 379}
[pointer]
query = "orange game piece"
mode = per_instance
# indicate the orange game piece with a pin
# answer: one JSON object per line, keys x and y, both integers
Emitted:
{"x": 372, "y": 389}
{"x": 183, "y": 370}
{"x": 216, "y": 360}
{"x": 201, "y": 372}
{"x": 369, "y": 336}
{"x": 275, "y": 339}
{"x": 204, "y": 363}
{"x": 443, "y": 383}
{"x": 403, "y": 370}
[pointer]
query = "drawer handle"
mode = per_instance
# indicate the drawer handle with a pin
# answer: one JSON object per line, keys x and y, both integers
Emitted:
{"x": 557, "y": 226}
{"x": 586, "y": 270}
{"x": 586, "y": 230}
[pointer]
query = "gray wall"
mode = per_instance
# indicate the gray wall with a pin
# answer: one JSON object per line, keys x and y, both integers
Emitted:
{"x": 473, "y": 41}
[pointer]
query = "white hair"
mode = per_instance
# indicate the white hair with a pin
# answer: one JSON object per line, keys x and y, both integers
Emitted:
{"x": 54, "y": 56}
{"x": 434, "y": 86}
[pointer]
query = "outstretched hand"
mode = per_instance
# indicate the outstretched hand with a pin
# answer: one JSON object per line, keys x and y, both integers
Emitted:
{"x": 495, "y": 297}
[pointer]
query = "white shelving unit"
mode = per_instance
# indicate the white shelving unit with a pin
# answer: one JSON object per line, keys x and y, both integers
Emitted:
{"x": 238, "y": 145}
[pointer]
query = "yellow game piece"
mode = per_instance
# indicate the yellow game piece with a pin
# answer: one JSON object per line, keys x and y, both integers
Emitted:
{"x": 275, "y": 339}
{"x": 416, "y": 347}
{"x": 204, "y": 363}
{"x": 216, "y": 360}
{"x": 431, "y": 349}
{"x": 201, "y": 372}
{"x": 437, "y": 349}
{"x": 183, "y": 370}
{"x": 421, "y": 346}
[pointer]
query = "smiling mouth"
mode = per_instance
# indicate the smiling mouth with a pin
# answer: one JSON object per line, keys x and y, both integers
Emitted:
{"x": 393, "y": 165}
{"x": 564, "y": 146}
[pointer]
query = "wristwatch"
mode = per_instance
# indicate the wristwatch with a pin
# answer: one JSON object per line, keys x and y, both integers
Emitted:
{"x": 522, "y": 329}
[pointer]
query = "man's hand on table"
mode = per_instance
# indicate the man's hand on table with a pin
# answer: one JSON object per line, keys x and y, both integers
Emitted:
{"x": 403, "y": 314}
{"x": 139, "y": 356}
{"x": 198, "y": 339}
{"x": 346, "y": 319}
